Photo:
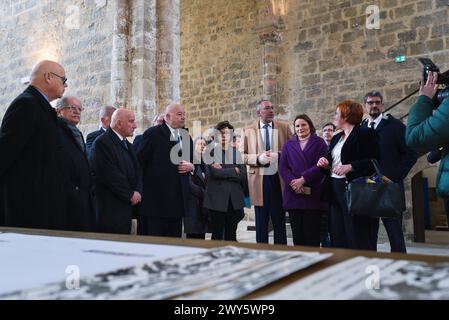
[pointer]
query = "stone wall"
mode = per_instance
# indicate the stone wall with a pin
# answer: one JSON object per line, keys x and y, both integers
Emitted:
{"x": 326, "y": 54}
{"x": 77, "y": 33}
{"x": 330, "y": 55}
{"x": 221, "y": 60}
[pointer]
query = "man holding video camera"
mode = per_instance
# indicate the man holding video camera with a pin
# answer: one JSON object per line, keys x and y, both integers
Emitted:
{"x": 428, "y": 127}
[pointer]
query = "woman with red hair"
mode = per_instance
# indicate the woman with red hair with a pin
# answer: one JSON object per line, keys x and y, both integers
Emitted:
{"x": 349, "y": 157}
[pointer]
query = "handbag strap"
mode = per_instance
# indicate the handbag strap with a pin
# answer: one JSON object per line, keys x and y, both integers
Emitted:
{"x": 376, "y": 167}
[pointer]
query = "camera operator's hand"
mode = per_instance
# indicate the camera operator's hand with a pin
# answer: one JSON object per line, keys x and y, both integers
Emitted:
{"x": 429, "y": 88}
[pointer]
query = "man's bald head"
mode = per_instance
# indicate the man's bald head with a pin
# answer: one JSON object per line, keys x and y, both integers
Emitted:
{"x": 175, "y": 115}
{"x": 49, "y": 77}
{"x": 45, "y": 66}
{"x": 124, "y": 122}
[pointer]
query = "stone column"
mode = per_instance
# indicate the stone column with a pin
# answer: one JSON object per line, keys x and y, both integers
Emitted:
{"x": 168, "y": 52}
{"x": 120, "y": 57}
{"x": 269, "y": 28}
{"x": 271, "y": 68}
{"x": 143, "y": 62}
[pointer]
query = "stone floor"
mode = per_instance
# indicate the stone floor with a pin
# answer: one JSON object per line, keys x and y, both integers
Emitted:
{"x": 437, "y": 242}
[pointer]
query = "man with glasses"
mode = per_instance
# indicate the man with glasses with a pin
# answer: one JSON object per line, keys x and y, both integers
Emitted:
{"x": 78, "y": 181}
{"x": 396, "y": 159}
{"x": 328, "y": 131}
{"x": 31, "y": 162}
{"x": 69, "y": 110}
{"x": 63, "y": 78}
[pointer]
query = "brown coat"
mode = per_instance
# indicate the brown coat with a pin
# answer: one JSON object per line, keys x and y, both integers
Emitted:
{"x": 253, "y": 147}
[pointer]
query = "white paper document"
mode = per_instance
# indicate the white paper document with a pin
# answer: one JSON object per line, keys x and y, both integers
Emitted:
{"x": 219, "y": 273}
{"x": 371, "y": 278}
{"x": 29, "y": 261}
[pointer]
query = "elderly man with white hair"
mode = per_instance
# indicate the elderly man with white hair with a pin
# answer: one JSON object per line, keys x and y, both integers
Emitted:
{"x": 165, "y": 155}
{"x": 78, "y": 180}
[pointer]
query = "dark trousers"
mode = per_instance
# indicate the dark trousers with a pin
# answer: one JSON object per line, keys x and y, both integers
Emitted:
{"x": 348, "y": 231}
{"x": 395, "y": 234}
{"x": 305, "y": 227}
{"x": 196, "y": 236}
{"x": 324, "y": 230}
{"x": 124, "y": 227}
{"x": 446, "y": 208}
{"x": 160, "y": 227}
{"x": 223, "y": 225}
{"x": 272, "y": 208}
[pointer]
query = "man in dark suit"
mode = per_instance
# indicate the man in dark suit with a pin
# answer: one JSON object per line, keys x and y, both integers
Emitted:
{"x": 105, "y": 121}
{"x": 118, "y": 175}
{"x": 31, "y": 161}
{"x": 78, "y": 181}
{"x": 159, "y": 119}
{"x": 165, "y": 155}
{"x": 396, "y": 159}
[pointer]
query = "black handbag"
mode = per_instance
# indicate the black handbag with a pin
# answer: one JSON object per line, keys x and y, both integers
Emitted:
{"x": 375, "y": 197}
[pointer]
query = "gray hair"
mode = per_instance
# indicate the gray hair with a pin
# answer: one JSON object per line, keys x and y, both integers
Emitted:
{"x": 171, "y": 106}
{"x": 63, "y": 102}
{"x": 105, "y": 111}
{"x": 259, "y": 103}
{"x": 373, "y": 94}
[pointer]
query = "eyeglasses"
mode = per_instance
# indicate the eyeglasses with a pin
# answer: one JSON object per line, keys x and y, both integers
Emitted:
{"x": 75, "y": 108}
{"x": 374, "y": 102}
{"x": 63, "y": 79}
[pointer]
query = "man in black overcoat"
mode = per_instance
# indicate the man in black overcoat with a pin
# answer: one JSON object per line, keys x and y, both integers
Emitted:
{"x": 31, "y": 161}
{"x": 78, "y": 180}
{"x": 396, "y": 158}
{"x": 105, "y": 121}
{"x": 165, "y": 155}
{"x": 118, "y": 175}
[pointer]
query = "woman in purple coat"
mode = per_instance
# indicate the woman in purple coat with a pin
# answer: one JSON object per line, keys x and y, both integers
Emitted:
{"x": 302, "y": 178}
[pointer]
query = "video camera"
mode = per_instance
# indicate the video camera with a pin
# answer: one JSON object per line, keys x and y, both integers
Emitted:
{"x": 443, "y": 80}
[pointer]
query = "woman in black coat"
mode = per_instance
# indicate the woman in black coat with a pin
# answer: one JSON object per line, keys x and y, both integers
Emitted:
{"x": 349, "y": 157}
{"x": 226, "y": 179}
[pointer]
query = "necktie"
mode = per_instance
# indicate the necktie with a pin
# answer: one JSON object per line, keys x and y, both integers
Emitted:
{"x": 267, "y": 137}
{"x": 176, "y": 135}
{"x": 124, "y": 143}
{"x": 371, "y": 125}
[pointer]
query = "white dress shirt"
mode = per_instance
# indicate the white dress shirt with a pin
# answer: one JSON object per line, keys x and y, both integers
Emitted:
{"x": 376, "y": 121}
{"x": 173, "y": 133}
